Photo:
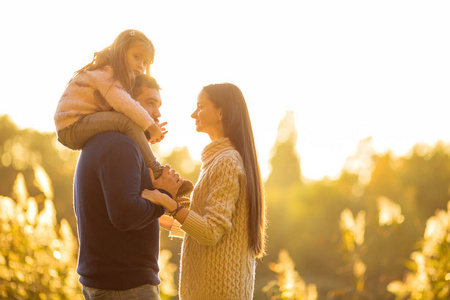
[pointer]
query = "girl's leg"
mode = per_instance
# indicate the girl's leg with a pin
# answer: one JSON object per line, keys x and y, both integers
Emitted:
{"x": 79, "y": 133}
{"x": 93, "y": 124}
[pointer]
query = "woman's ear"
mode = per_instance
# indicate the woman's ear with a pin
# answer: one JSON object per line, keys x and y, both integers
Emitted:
{"x": 220, "y": 114}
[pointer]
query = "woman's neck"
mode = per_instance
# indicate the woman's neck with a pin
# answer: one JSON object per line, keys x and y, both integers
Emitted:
{"x": 214, "y": 137}
{"x": 217, "y": 134}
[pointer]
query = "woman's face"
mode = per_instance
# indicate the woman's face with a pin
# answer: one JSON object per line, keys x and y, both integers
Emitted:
{"x": 208, "y": 118}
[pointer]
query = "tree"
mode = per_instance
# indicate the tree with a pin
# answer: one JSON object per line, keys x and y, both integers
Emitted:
{"x": 285, "y": 161}
{"x": 21, "y": 150}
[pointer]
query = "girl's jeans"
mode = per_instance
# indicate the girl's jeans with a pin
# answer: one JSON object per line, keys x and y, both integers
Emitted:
{"x": 77, "y": 134}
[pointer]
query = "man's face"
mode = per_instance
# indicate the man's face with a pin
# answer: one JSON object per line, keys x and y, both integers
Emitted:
{"x": 150, "y": 100}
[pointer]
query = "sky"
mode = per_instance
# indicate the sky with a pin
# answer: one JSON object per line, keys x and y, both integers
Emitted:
{"x": 348, "y": 70}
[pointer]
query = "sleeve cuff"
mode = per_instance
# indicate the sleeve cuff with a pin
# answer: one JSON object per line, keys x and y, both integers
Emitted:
{"x": 176, "y": 231}
{"x": 193, "y": 224}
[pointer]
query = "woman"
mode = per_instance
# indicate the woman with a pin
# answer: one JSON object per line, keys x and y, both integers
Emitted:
{"x": 226, "y": 221}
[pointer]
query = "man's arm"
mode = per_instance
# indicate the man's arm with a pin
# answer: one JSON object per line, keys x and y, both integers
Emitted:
{"x": 120, "y": 174}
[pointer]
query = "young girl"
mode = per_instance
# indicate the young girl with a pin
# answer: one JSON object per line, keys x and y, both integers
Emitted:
{"x": 97, "y": 99}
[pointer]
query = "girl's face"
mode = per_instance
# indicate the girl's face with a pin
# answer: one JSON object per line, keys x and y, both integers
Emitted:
{"x": 139, "y": 56}
{"x": 208, "y": 118}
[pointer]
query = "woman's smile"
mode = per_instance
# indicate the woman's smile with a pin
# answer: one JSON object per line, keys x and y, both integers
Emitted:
{"x": 208, "y": 117}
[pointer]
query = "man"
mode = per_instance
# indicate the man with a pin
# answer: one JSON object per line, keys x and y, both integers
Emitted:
{"x": 118, "y": 230}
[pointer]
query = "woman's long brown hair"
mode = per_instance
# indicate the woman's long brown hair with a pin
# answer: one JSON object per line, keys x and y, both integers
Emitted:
{"x": 115, "y": 55}
{"x": 238, "y": 129}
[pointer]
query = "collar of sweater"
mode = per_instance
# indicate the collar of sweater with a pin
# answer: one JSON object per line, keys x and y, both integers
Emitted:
{"x": 214, "y": 149}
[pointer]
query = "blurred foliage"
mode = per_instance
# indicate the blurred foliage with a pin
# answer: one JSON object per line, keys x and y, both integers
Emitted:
{"x": 285, "y": 161}
{"x": 429, "y": 277}
{"x": 22, "y": 149}
{"x": 352, "y": 236}
{"x": 377, "y": 231}
{"x": 289, "y": 284}
{"x": 37, "y": 255}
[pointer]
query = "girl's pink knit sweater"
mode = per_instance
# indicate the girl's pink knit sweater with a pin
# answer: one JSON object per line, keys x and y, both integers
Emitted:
{"x": 95, "y": 91}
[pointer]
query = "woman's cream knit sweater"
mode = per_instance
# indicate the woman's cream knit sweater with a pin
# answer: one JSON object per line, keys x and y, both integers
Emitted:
{"x": 216, "y": 261}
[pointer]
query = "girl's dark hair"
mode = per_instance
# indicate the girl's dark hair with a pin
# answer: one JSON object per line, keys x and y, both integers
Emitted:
{"x": 238, "y": 128}
{"x": 115, "y": 55}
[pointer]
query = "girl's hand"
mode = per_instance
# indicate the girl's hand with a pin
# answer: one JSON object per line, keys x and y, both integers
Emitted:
{"x": 163, "y": 133}
{"x": 161, "y": 126}
{"x": 155, "y": 133}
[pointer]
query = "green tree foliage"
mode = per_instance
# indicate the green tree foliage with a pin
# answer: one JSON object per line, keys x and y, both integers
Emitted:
{"x": 23, "y": 149}
{"x": 180, "y": 160}
{"x": 285, "y": 161}
{"x": 289, "y": 284}
{"x": 429, "y": 277}
{"x": 426, "y": 175}
{"x": 396, "y": 195}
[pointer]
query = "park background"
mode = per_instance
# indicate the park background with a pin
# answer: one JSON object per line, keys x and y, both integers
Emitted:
{"x": 349, "y": 104}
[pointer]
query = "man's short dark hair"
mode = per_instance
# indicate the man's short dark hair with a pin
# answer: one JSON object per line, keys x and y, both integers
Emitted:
{"x": 144, "y": 81}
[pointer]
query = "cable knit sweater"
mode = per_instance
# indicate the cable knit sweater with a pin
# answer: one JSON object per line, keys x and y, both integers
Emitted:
{"x": 216, "y": 261}
{"x": 95, "y": 91}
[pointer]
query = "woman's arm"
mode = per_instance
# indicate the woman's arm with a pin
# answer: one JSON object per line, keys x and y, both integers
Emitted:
{"x": 222, "y": 195}
{"x": 171, "y": 205}
{"x": 223, "y": 189}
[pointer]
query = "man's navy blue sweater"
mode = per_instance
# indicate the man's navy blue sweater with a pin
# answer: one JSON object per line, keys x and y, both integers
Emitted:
{"x": 118, "y": 231}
